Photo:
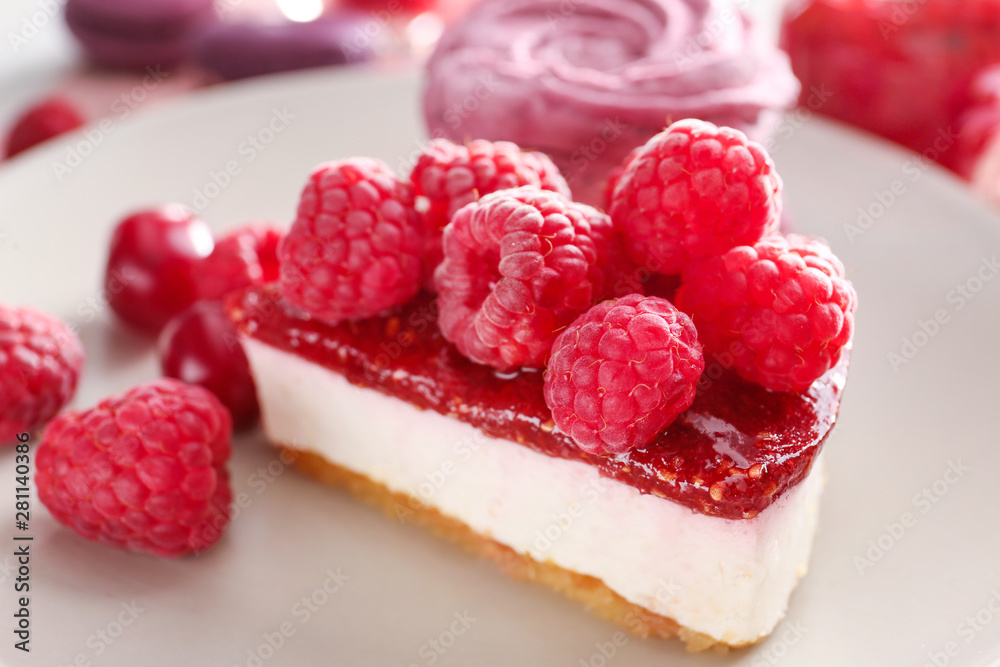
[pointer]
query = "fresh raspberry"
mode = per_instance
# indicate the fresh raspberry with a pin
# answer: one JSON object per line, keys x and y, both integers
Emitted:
{"x": 42, "y": 122}
{"x": 780, "y": 311}
{"x": 448, "y": 176}
{"x": 622, "y": 372}
{"x": 695, "y": 190}
{"x": 245, "y": 256}
{"x": 519, "y": 265}
{"x": 40, "y": 363}
{"x": 354, "y": 249}
{"x": 143, "y": 471}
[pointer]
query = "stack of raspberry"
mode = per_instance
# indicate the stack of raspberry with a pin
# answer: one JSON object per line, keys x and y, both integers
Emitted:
{"x": 527, "y": 278}
{"x": 620, "y": 309}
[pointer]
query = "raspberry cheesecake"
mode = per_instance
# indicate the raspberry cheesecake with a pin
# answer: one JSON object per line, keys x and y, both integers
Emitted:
{"x": 548, "y": 410}
{"x": 702, "y": 534}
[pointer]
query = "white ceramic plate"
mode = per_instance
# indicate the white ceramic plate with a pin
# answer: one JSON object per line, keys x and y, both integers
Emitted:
{"x": 906, "y": 567}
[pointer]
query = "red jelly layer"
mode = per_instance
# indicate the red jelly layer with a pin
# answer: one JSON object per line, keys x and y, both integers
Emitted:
{"x": 730, "y": 455}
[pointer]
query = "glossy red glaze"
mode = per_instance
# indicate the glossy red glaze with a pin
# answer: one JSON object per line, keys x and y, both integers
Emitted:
{"x": 730, "y": 455}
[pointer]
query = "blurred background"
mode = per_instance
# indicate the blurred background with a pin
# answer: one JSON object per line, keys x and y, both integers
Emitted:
{"x": 913, "y": 71}
{"x": 90, "y": 54}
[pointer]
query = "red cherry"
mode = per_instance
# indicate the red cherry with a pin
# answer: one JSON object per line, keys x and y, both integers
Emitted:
{"x": 245, "y": 256}
{"x": 200, "y": 347}
{"x": 150, "y": 273}
{"x": 46, "y": 120}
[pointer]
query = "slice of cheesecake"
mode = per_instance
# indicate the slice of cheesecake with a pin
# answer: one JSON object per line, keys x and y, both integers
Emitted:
{"x": 702, "y": 534}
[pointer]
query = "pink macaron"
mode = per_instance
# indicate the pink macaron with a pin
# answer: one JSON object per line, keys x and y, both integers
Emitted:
{"x": 237, "y": 50}
{"x": 138, "y": 33}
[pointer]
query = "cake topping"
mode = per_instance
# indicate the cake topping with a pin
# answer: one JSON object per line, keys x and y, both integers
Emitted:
{"x": 693, "y": 191}
{"x": 355, "y": 247}
{"x": 40, "y": 363}
{"x": 245, "y": 256}
{"x": 747, "y": 442}
{"x": 143, "y": 471}
{"x": 448, "y": 176}
{"x": 519, "y": 265}
{"x": 622, "y": 372}
{"x": 780, "y": 312}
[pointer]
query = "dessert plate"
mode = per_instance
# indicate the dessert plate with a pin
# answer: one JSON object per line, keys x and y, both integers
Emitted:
{"x": 905, "y": 570}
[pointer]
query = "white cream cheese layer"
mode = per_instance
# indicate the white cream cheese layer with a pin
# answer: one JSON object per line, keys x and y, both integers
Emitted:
{"x": 724, "y": 578}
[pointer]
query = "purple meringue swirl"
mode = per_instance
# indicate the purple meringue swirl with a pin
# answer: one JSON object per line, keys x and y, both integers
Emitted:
{"x": 586, "y": 81}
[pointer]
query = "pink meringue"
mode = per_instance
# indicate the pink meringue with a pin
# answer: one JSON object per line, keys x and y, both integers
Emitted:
{"x": 586, "y": 81}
